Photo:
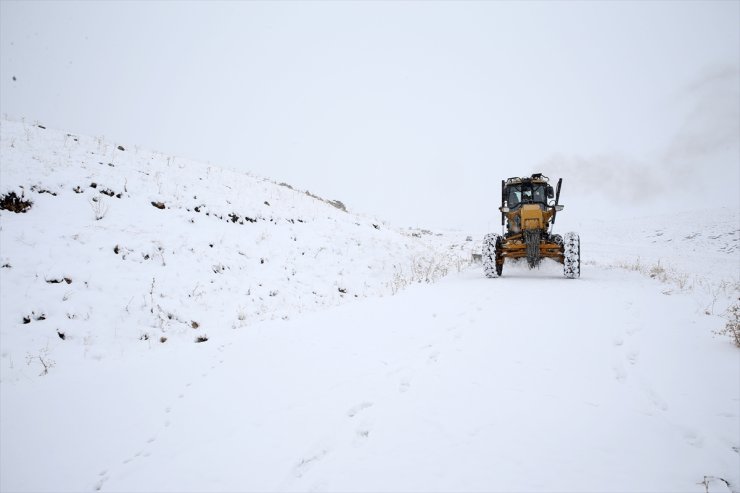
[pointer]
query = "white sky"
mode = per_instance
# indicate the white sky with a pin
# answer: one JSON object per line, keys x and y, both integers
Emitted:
{"x": 412, "y": 111}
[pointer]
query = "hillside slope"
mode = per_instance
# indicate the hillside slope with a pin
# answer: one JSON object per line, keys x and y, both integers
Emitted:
{"x": 124, "y": 248}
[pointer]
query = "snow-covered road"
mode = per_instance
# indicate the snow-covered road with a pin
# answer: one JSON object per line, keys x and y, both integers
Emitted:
{"x": 530, "y": 382}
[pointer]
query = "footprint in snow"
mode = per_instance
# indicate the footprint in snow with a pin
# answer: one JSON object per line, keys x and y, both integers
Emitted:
{"x": 404, "y": 385}
{"x": 657, "y": 401}
{"x": 619, "y": 373}
{"x": 307, "y": 463}
{"x": 433, "y": 357}
{"x": 99, "y": 484}
{"x": 693, "y": 438}
{"x": 319, "y": 485}
{"x": 355, "y": 410}
{"x": 362, "y": 435}
{"x": 632, "y": 356}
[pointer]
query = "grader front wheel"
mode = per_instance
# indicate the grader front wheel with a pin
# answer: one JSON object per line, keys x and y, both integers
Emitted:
{"x": 493, "y": 262}
{"x": 572, "y": 254}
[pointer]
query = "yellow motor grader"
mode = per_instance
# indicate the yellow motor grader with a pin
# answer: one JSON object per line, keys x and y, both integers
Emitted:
{"x": 528, "y": 210}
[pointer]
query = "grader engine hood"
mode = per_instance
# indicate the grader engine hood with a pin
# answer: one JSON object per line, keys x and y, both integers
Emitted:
{"x": 528, "y": 217}
{"x": 532, "y": 217}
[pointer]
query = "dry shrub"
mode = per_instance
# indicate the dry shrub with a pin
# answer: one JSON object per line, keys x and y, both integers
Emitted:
{"x": 12, "y": 202}
{"x": 732, "y": 326}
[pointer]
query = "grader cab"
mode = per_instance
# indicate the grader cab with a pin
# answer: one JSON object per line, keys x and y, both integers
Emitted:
{"x": 529, "y": 207}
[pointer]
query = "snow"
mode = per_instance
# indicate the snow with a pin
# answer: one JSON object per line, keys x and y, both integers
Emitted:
{"x": 531, "y": 382}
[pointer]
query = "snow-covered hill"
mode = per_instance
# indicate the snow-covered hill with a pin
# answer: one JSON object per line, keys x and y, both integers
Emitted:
{"x": 696, "y": 243}
{"x": 128, "y": 249}
{"x": 311, "y": 378}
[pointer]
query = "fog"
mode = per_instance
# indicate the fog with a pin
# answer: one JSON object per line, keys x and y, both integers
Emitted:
{"x": 409, "y": 111}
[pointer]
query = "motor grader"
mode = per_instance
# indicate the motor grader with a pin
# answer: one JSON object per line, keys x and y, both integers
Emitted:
{"x": 529, "y": 207}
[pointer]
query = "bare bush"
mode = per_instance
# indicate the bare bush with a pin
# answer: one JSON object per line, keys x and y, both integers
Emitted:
{"x": 427, "y": 270}
{"x": 43, "y": 359}
{"x": 14, "y": 203}
{"x": 732, "y": 326}
{"x": 99, "y": 207}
